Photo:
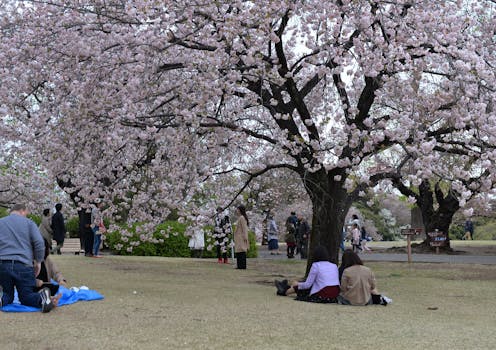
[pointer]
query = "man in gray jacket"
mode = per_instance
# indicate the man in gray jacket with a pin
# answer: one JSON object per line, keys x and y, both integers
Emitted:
{"x": 21, "y": 252}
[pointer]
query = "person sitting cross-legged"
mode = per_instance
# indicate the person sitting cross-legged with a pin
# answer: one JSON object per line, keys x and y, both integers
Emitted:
{"x": 321, "y": 285}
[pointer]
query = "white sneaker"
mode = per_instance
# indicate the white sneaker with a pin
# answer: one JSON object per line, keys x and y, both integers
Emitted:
{"x": 46, "y": 301}
{"x": 387, "y": 300}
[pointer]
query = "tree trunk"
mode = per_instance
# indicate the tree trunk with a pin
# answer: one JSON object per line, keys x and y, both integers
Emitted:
{"x": 331, "y": 203}
{"x": 440, "y": 218}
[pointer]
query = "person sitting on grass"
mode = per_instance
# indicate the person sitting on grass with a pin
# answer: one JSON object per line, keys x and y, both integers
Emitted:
{"x": 358, "y": 285}
{"x": 321, "y": 285}
{"x": 49, "y": 271}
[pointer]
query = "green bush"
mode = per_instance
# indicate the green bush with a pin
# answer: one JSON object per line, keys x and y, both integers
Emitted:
{"x": 4, "y": 212}
{"x": 486, "y": 231}
{"x": 35, "y": 218}
{"x": 456, "y": 231}
{"x": 72, "y": 226}
{"x": 174, "y": 243}
{"x": 253, "y": 251}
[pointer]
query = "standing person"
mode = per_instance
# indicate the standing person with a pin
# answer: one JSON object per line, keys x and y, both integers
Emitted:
{"x": 469, "y": 230}
{"x": 85, "y": 231}
{"x": 355, "y": 220}
{"x": 58, "y": 228}
{"x": 273, "y": 236}
{"x": 21, "y": 253}
{"x": 363, "y": 241}
{"x": 46, "y": 227}
{"x": 292, "y": 222}
{"x": 322, "y": 283}
{"x": 222, "y": 228}
{"x": 196, "y": 244}
{"x": 241, "y": 244}
{"x": 355, "y": 237}
{"x": 98, "y": 228}
{"x": 358, "y": 285}
{"x": 304, "y": 236}
{"x": 290, "y": 238}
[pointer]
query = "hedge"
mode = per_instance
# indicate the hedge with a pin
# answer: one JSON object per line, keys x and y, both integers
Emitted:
{"x": 173, "y": 244}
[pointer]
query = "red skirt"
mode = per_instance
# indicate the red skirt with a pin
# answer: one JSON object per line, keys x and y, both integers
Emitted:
{"x": 328, "y": 292}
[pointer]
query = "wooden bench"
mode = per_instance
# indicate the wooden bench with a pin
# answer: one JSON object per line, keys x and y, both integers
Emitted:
{"x": 71, "y": 245}
{"x": 438, "y": 239}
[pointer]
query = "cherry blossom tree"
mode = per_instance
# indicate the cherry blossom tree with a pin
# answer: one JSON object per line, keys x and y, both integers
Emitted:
{"x": 154, "y": 102}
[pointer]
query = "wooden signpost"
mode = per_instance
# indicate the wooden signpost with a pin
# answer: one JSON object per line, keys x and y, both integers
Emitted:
{"x": 409, "y": 232}
{"x": 438, "y": 239}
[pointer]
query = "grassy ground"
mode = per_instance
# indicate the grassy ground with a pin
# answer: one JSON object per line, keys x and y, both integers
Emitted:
{"x": 197, "y": 304}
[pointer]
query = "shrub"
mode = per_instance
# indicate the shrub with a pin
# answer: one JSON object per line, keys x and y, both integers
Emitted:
{"x": 4, "y": 212}
{"x": 253, "y": 251}
{"x": 456, "y": 231}
{"x": 35, "y": 218}
{"x": 167, "y": 240}
{"x": 486, "y": 231}
{"x": 72, "y": 226}
{"x": 173, "y": 244}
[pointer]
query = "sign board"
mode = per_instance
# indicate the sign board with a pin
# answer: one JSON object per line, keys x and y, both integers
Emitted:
{"x": 411, "y": 231}
{"x": 438, "y": 238}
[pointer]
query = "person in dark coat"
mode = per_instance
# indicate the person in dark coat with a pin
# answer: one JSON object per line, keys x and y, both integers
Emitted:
{"x": 469, "y": 230}
{"x": 86, "y": 232}
{"x": 303, "y": 236}
{"x": 58, "y": 228}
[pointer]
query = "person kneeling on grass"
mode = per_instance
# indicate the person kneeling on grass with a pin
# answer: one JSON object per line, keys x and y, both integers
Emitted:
{"x": 358, "y": 286}
{"x": 321, "y": 285}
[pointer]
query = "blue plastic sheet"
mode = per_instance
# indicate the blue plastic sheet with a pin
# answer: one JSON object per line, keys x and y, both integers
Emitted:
{"x": 68, "y": 297}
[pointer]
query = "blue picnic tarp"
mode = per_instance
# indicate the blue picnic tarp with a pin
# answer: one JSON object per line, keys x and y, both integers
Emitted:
{"x": 69, "y": 296}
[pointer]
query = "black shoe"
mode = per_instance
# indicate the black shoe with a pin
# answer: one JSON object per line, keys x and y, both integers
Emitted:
{"x": 46, "y": 301}
{"x": 282, "y": 287}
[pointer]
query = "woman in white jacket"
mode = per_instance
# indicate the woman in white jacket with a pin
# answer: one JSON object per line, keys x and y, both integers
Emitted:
{"x": 197, "y": 243}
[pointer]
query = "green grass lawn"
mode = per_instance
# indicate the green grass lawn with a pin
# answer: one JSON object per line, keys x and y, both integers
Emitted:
{"x": 197, "y": 304}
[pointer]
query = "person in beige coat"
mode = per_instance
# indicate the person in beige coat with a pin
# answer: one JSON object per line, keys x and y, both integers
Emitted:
{"x": 241, "y": 244}
{"x": 358, "y": 284}
{"x": 46, "y": 227}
